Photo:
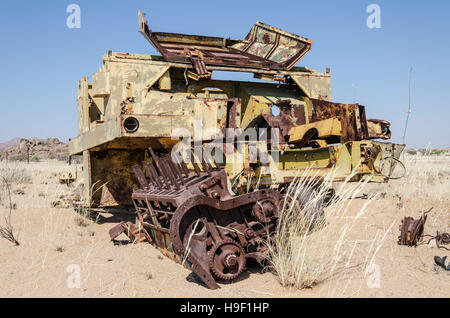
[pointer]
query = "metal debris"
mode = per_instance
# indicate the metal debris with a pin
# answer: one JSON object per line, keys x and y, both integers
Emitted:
{"x": 440, "y": 239}
{"x": 412, "y": 233}
{"x": 67, "y": 177}
{"x": 64, "y": 201}
{"x": 411, "y": 230}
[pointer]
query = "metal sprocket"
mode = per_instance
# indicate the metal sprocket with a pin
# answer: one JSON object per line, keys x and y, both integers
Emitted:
{"x": 227, "y": 259}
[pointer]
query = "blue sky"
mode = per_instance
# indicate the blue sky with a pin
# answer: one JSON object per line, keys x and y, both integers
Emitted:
{"x": 41, "y": 59}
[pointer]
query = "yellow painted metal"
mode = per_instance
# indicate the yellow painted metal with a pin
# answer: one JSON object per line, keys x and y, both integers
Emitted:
{"x": 324, "y": 128}
{"x": 168, "y": 105}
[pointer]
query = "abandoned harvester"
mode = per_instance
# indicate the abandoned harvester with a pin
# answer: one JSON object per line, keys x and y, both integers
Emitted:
{"x": 160, "y": 134}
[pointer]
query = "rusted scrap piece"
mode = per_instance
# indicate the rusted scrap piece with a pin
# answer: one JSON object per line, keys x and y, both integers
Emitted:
{"x": 66, "y": 201}
{"x": 67, "y": 177}
{"x": 190, "y": 215}
{"x": 198, "y": 62}
{"x": 411, "y": 231}
{"x": 331, "y": 122}
{"x": 440, "y": 239}
{"x": 265, "y": 47}
{"x": 134, "y": 231}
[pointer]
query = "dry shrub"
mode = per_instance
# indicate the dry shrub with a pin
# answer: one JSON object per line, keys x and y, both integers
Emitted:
{"x": 7, "y": 230}
{"x": 15, "y": 173}
{"x": 306, "y": 251}
{"x": 84, "y": 216}
{"x": 11, "y": 173}
{"x": 82, "y": 219}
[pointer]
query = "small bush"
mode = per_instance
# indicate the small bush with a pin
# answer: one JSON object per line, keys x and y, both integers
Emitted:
{"x": 437, "y": 152}
{"x": 432, "y": 152}
{"x": 35, "y": 159}
{"x": 14, "y": 174}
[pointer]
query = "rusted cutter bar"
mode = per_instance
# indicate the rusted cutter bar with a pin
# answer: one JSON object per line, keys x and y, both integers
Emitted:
{"x": 190, "y": 215}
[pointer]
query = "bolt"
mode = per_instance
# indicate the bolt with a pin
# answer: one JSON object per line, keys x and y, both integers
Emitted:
{"x": 215, "y": 195}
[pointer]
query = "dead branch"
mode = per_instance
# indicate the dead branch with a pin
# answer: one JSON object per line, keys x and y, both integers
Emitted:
{"x": 7, "y": 231}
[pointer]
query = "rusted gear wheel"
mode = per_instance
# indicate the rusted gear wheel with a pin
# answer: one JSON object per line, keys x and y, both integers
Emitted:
{"x": 227, "y": 260}
{"x": 264, "y": 211}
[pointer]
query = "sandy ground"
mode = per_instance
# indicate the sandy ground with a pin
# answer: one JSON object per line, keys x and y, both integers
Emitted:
{"x": 54, "y": 245}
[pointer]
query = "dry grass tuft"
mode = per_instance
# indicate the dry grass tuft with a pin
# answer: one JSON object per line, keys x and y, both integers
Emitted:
{"x": 307, "y": 248}
{"x": 82, "y": 218}
{"x": 304, "y": 257}
{"x": 15, "y": 173}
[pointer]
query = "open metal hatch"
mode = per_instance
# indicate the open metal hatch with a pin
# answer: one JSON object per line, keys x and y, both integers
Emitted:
{"x": 265, "y": 48}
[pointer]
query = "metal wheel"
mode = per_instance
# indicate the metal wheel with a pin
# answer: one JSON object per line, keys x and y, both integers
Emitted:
{"x": 227, "y": 260}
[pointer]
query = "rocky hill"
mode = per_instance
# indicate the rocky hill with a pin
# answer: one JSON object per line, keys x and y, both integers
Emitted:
{"x": 51, "y": 148}
{"x": 12, "y": 143}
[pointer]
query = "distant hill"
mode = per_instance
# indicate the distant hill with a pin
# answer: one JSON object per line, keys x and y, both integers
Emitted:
{"x": 12, "y": 143}
{"x": 51, "y": 148}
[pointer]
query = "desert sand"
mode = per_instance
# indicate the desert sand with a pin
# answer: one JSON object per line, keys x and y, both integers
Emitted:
{"x": 55, "y": 240}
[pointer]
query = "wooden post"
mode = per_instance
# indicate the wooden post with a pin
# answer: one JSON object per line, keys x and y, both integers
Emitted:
{"x": 28, "y": 154}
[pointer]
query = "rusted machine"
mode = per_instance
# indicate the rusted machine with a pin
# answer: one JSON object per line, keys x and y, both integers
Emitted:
{"x": 214, "y": 212}
{"x": 191, "y": 216}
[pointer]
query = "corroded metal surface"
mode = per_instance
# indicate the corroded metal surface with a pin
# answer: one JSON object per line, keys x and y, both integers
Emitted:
{"x": 411, "y": 231}
{"x": 265, "y": 47}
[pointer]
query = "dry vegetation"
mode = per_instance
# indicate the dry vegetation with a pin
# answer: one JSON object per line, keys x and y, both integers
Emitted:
{"x": 306, "y": 250}
{"x": 336, "y": 259}
{"x": 344, "y": 248}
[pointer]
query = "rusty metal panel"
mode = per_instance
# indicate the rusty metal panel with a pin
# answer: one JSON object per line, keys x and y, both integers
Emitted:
{"x": 379, "y": 129}
{"x": 314, "y": 85}
{"x": 265, "y": 47}
{"x": 112, "y": 189}
{"x": 282, "y": 48}
{"x": 351, "y": 116}
{"x": 323, "y": 129}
